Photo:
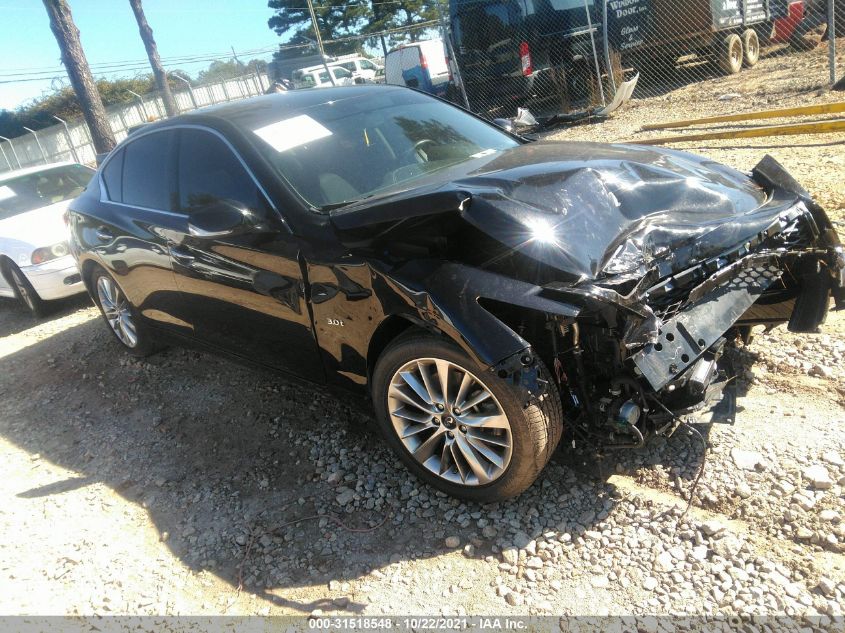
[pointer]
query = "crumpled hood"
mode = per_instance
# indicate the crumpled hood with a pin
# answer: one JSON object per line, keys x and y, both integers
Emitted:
{"x": 592, "y": 209}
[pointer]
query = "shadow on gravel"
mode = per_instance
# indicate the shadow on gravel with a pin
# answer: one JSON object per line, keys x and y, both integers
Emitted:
{"x": 268, "y": 484}
{"x": 14, "y": 318}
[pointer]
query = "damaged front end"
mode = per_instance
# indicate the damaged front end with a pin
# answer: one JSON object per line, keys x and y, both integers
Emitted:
{"x": 632, "y": 275}
{"x": 649, "y": 352}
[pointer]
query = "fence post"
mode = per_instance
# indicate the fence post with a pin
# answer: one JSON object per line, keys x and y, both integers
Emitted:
{"x": 608, "y": 63}
{"x": 6, "y": 158}
{"x": 38, "y": 142}
{"x": 140, "y": 99}
{"x": 190, "y": 88}
{"x": 831, "y": 40}
{"x": 14, "y": 153}
{"x": 69, "y": 138}
{"x": 595, "y": 52}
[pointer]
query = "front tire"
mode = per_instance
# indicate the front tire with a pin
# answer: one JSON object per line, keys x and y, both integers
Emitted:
{"x": 26, "y": 294}
{"x": 120, "y": 315}
{"x": 458, "y": 427}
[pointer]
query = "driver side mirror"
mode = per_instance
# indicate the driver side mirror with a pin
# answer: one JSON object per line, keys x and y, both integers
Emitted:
{"x": 221, "y": 218}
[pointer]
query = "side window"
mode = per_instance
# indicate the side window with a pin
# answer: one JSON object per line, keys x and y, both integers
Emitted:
{"x": 367, "y": 64}
{"x": 341, "y": 73}
{"x": 147, "y": 180}
{"x": 112, "y": 177}
{"x": 324, "y": 78}
{"x": 209, "y": 171}
{"x": 350, "y": 66}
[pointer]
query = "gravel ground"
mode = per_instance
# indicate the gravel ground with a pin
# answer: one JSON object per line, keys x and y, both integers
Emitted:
{"x": 187, "y": 484}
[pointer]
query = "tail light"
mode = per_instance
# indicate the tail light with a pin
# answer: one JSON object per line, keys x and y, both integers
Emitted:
{"x": 525, "y": 59}
{"x": 423, "y": 61}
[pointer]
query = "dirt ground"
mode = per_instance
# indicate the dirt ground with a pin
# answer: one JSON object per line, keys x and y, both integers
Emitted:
{"x": 187, "y": 484}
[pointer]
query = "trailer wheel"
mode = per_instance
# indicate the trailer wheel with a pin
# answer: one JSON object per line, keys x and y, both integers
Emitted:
{"x": 750, "y": 48}
{"x": 730, "y": 57}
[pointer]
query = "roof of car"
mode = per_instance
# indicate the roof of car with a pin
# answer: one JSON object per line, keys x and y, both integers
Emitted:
{"x": 8, "y": 175}
{"x": 273, "y": 107}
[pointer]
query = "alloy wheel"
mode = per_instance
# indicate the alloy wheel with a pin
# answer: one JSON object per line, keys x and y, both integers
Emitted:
{"x": 23, "y": 289}
{"x": 117, "y": 310}
{"x": 450, "y": 422}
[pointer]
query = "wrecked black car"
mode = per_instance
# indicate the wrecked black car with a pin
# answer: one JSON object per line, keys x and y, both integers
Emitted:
{"x": 488, "y": 293}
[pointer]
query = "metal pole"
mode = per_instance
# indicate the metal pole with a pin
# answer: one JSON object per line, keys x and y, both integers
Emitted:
{"x": 319, "y": 41}
{"x": 141, "y": 102}
{"x": 595, "y": 53}
{"x": 831, "y": 40}
{"x": 122, "y": 120}
{"x": 41, "y": 149}
{"x": 69, "y": 138}
{"x": 450, "y": 52}
{"x": 14, "y": 153}
{"x": 607, "y": 48}
{"x": 6, "y": 158}
{"x": 190, "y": 88}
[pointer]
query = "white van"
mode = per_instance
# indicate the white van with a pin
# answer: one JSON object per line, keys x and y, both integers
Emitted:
{"x": 318, "y": 77}
{"x": 358, "y": 66}
{"x": 420, "y": 65}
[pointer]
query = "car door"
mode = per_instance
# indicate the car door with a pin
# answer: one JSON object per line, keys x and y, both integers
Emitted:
{"x": 245, "y": 292}
{"x": 131, "y": 226}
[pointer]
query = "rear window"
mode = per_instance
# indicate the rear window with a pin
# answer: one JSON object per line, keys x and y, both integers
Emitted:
{"x": 42, "y": 188}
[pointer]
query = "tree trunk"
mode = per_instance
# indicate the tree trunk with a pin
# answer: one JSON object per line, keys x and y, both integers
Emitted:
{"x": 73, "y": 58}
{"x": 152, "y": 52}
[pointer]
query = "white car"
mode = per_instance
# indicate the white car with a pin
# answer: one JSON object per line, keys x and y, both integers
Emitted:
{"x": 35, "y": 263}
{"x": 318, "y": 77}
{"x": 358, "y": 66}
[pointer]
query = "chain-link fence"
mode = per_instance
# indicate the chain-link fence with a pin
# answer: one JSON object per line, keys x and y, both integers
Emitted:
{"x": 565, "y": 55}
{"x": 71, "y": 140}
{"x": 549, "y": 56}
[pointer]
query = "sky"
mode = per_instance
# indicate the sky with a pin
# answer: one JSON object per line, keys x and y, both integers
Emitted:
{"x": 182, "y": 28}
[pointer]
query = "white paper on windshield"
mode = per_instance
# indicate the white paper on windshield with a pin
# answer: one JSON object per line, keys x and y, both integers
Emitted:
{"x": 290, "y": 133}
{"x": 6, "y": 192}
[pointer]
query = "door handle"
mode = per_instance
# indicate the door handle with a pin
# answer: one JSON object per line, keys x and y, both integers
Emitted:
{"x": 103, "y": 234}
{"x": 183, "y": 257}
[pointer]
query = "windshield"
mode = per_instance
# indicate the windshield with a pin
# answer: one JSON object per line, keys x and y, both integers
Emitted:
{"x": 342, "y": 151}
{"x": 42, "y": 188}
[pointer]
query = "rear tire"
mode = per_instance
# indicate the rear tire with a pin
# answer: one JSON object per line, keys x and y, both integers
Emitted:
{"x": 25, "y": 293}
{"x": 731, "y": 54}
{"x": 122, "y": 318}
{"x": 488, "y": 451}
{"x": 750, "y": 48}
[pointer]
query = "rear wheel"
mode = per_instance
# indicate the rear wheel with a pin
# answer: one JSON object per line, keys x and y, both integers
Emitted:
{"x": 24, "y": 291}
{"x": 731, "y": 54}
{"x": 750, "y": 48}
{"x": 458, "y": 427}
{"x": 120, "y": 315}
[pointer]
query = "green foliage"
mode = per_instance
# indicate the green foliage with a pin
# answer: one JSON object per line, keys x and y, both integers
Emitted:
{"x": 401, "y": 16}
{"x": 336, "y": 19}
{"x": 63, "y": 104}
{"x": 220, "y": 71}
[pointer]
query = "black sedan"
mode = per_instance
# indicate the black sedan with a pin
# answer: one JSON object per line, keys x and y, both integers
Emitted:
{"x": 487, "y": 292}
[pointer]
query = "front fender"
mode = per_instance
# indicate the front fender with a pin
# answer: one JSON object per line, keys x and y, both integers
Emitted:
{"x": 447, "y": 297}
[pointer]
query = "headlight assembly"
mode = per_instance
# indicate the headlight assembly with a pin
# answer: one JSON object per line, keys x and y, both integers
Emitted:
{"x": 41, "y": 255}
